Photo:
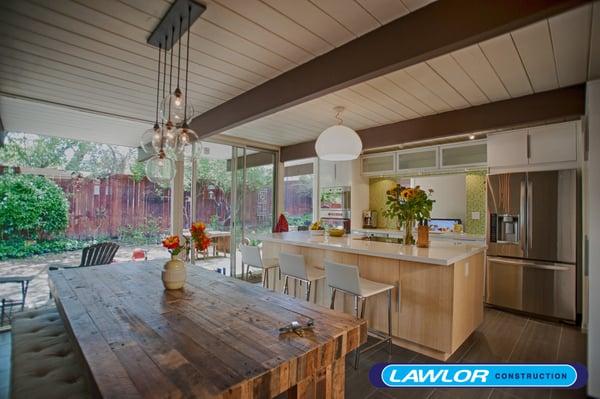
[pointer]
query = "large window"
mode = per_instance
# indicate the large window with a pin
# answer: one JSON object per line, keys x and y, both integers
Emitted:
{"x": 299, "y": 195}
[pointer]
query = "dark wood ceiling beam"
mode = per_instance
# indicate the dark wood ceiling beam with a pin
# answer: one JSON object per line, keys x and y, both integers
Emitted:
{"x": 438, "y": 28}
{"x": 550, "y": 106}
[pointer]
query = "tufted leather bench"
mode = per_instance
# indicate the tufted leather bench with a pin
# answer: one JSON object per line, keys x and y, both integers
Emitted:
{"x": 44, "y": 363}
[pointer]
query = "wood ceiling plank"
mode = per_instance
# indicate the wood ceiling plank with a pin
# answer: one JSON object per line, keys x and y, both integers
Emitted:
{"x": 453, "y": 74}
{"x": 323, "y": 108}
{"x": 594, "y": 68}
{"x": 570, "y": 38}
{"x": 387, "y": 86}
{"x": 414, "y": 87}
{"x": 379, "y": 97}
{"x": 505, "y": 60}
{"x": 414, "y": 5}
{"x": 385, "y": 10}
{"x": 270, "y": 18}
{"x": 313, "y": 18}
{"x": 243, "y": 27}
{"x": 350, "y": 14}
{"x": 535, "y": 48}
{"x": 473, "y": 62}
{"x": 356, "y": 101}
{"x": 434, "y": 82}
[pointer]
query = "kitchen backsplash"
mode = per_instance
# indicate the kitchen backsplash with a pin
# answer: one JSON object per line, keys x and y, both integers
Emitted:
{"x": 475, "y": 185}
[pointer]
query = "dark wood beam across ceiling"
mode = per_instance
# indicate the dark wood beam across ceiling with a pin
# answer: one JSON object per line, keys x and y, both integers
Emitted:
{"x": 436, "y": 29}
{"x": 550, "y": 106}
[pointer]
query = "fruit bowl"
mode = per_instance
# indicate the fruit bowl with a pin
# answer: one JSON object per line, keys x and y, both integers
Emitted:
{"x": 336, "y": 232}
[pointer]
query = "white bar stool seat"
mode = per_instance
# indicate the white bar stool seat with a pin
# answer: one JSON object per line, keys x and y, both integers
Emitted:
{"x": 346, "y": 278}
{"x": 294, "y": 266}
{"x": 251, "y": 257}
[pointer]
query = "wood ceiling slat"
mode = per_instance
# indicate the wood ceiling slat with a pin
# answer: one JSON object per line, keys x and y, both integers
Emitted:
{"x": 269, "y": 18}
{"x": 350, "y": 14}
{"x": 379, "y": 97}
{"x": 503, "y": 56}
{"x": 354, "y": 114}
{"x": 203, "y": 52}
{"x": 384, "y": 10}
{"x": 356, "y": 101}
{"x": 311, "y": 17}
{"x": 535, "y": 48}
{"x": 570, "y": 37}
{"x": 413, "y": 5}
{"x": 454, "y": 75}
{"x": 414, "y": 87}
{"x": 429, "y": 78}
{"x": 473, "y": 62}
{"x": 594, "y": 68}
{"x": 390, "y": 88}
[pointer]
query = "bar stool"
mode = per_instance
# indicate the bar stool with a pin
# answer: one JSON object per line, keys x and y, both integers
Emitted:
{"x": 346, "y": 278}
{"x": 294, "y": 266}
{"x": 251, "y": 258}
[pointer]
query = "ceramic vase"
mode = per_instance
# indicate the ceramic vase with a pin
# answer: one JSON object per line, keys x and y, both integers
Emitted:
{"x": 174, "y": 274}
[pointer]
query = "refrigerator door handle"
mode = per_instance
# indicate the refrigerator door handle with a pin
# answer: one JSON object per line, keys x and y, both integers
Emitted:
{"x": 530, "y": 214}
{"x": 522, "y": 222}
{"x": 556, "y": 266}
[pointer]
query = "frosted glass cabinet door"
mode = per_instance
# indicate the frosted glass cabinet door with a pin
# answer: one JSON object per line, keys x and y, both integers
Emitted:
{"x": 464, "y": 154}
{"x": 418, "y": 159}
{"x": 379, "y": 164}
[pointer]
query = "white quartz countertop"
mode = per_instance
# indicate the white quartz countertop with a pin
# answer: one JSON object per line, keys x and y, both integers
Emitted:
{"x": 439, "y": 252}
{"x": 449, "y": 235}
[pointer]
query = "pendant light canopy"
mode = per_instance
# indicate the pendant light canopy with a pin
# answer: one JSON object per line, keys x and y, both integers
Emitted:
{"x": 338, "y": 142}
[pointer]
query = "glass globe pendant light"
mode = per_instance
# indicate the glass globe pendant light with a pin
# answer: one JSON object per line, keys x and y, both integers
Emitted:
{"x": 151, "y": 138}
{"x": 185, "y": 135}
{"x": 338, "y": 142}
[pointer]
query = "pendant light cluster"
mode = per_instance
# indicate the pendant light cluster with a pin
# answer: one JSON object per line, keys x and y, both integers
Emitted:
{"x": 170, "y": 135}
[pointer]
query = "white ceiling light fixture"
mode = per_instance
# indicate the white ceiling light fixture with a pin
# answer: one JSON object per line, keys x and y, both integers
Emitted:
{"x": 338, "y": 142}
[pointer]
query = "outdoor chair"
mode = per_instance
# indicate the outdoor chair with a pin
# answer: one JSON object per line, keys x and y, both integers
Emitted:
{"x": 98, "y": 254}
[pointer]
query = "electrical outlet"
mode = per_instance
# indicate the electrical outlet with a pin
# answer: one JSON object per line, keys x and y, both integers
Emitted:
{"x": 475, "y": 215}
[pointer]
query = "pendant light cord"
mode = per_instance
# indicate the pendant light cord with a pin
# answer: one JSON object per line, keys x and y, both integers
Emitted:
{"x": 171, "y": 71}
{"x": 187, "y": 67}
{"x": 179, "y": 51}
{"x": 162, "y": 139}
{"x": 158, "y": 82}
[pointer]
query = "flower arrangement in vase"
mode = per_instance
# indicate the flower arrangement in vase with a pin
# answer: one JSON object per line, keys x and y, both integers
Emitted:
{"x": 174, "y": 273}
{"x": 199, "y": 236}
{"x": 408, "y": 205}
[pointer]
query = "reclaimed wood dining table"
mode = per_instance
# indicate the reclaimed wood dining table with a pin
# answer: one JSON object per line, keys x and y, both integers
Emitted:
{"x": 218, "y": 337}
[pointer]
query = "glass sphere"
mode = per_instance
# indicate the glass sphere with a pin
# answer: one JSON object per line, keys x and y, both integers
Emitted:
{"x": 160, "y": 170}
{"x": 174, "y": 107}
{"x": 150, "y": 141}
{"x": 183, "y": 137}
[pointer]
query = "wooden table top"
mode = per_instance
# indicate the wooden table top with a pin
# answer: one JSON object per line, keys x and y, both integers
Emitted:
{"x": 216, "y": 338}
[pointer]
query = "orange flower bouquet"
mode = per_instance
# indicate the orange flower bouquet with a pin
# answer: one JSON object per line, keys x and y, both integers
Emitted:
{"x": 200, "y": 237}
{"x": 407, "y": 205}
{"x": 173, "y": 244}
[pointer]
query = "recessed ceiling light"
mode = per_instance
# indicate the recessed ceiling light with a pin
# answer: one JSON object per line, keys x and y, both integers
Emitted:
{"x": 472, "y": 137}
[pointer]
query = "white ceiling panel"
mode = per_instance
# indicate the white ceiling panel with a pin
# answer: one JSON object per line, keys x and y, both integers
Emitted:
{"x": 454, "y": 74}
{"x": 535, "y": 48}
{"x": 571, "y": 38}
{"x": 432, "y": 80}
{"x": 384, "y": 11}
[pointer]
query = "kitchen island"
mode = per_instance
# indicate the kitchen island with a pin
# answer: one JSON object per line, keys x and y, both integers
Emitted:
{"x": 438, "y": 299}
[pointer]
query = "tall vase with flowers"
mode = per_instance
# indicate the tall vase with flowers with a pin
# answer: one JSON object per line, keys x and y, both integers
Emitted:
{"x": 407, "y": 205}
{"x": 200, "y": 236}
{"x": 174, "y": 273}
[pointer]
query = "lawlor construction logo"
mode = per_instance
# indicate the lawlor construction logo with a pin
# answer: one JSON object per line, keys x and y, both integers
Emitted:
{"x": 387, "y": 375}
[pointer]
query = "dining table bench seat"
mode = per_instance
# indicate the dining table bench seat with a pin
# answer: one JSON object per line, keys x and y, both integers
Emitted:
{"x": 44, "y": 362}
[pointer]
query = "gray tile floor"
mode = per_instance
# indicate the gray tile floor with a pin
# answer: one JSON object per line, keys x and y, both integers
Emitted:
{"x": 502, "y": 337}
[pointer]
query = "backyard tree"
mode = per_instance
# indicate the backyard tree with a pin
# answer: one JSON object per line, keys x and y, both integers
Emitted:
{"x": 31, "y": 207}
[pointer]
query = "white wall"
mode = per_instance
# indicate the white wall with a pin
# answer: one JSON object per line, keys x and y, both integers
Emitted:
{"x": 359, "y": 195}
{"x": 593, "y": 217}
{"x": 449, "y": 193}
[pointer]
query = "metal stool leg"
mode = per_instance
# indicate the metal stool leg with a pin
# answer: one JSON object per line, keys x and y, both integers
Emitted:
{"x": 390, "y": 321}
{"x": 362, "y": 316}
{"x": 308, "y": 285}
{"x": 332, "y": 298}
{"x": 285, "y": 286}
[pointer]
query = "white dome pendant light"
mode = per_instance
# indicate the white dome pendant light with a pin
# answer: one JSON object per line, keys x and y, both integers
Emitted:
{"x": 338, "y": 142}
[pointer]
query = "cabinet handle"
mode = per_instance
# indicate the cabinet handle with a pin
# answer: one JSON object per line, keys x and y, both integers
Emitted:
{"x": 528, "y": 146}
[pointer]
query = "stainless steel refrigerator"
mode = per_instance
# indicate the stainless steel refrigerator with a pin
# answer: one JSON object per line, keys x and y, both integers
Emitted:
{"x": 532, "y": 242}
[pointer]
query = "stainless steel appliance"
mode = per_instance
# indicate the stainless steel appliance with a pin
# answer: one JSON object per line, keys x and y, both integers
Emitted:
{"x": 369, "y": 219}
{"x": 532, "y": 242}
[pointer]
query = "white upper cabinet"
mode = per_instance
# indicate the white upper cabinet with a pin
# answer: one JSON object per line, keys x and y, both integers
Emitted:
{"x": 419, "y": 159}
{"x": 378, "y": 164}
{"x": 472, "y": 153}
{"x": 548, "y": 145}
{"x": 553, "y": 143}
{"x": 335, "y": 173}
{"x": 507, "y": 149}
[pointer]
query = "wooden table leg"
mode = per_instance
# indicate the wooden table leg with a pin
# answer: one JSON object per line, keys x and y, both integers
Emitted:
{"x": 327, "y": 383}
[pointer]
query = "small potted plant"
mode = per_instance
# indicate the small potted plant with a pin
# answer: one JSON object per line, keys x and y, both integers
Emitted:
{"x": 174, "y": 273}
{"x": 408, "y": 205}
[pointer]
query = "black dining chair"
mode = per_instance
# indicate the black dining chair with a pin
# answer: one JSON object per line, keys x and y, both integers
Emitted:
{"x": 102, "y": 253}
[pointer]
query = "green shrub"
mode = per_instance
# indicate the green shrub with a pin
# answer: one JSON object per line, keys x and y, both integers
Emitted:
{"x": 31, "y": 207}
{"x": 148, "y": 232}
{"x": 11, "y": 249}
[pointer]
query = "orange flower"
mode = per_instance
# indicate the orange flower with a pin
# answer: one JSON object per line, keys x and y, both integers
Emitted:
{"x": 171, "y": 242}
